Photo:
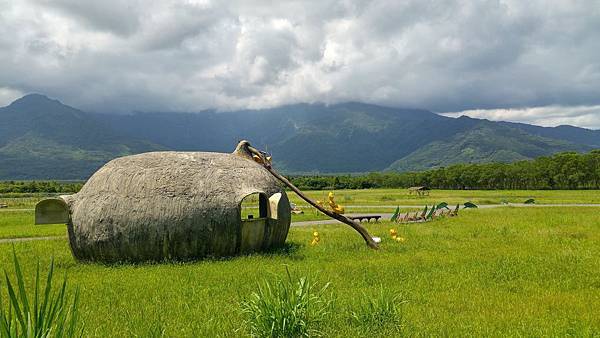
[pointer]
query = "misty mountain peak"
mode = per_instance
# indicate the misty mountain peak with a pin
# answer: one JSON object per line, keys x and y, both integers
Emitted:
{"x": 345, "y": 137}
{"x": 34, "y": 100}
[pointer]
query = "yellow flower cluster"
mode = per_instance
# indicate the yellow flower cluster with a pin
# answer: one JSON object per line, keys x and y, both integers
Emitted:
{"x": 338, "y": 209}
{"x": 395, "y": 236}
{"x": 316, "y": 238}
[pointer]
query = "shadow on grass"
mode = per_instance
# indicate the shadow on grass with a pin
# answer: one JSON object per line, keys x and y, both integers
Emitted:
{"x": 289, "y": 250}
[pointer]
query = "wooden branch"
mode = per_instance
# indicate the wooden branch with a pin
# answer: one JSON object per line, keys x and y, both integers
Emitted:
{"x": 355, "y": 225}
{"x": 246, "y": 150}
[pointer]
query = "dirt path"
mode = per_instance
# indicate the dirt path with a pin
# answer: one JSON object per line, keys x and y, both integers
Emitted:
{"x": 28, "y": 239}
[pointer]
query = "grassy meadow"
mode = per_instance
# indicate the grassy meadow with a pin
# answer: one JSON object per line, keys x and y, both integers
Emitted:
{"x": 488, "y": 272}
{"x": 378, "y": 197}
{"x": 19, "y": 224}
{"x": 375, "y": 197}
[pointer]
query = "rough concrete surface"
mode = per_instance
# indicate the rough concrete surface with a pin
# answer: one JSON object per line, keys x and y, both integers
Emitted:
{"x": 172, "y": 205}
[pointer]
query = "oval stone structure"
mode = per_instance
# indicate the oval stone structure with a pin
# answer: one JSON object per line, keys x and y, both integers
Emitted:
{"x": 171, "y": 205}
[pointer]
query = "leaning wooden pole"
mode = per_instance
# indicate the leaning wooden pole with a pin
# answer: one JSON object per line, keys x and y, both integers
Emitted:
{"x": 355, "y": 225}
{"x": 258, "y": 156}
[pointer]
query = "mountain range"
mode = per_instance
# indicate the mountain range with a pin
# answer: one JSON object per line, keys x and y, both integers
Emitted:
{"x": 41, "y": 138}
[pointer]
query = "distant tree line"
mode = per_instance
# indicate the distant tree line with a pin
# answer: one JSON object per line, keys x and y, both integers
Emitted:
{"x": 567, "y": 170}
{"x": 39, "y": 187}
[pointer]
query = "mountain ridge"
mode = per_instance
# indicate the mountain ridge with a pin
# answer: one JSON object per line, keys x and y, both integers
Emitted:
{"x": 483, "y": 143}
{"x": 43, "y": 138}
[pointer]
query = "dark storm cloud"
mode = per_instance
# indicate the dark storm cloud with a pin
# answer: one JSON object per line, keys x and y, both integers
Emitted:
{"x": 488, "y": 58}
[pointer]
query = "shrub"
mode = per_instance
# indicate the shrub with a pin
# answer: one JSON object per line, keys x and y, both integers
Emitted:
{"x": 287, "y": 307}
{"x": 51, "y": 313}
{"x": 380, "y": 313}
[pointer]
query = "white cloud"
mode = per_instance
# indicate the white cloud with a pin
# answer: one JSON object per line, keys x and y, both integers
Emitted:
{"x": 117, "y": 55}
{"x": 548, "y": 116}
{"x": 8, "y": 95}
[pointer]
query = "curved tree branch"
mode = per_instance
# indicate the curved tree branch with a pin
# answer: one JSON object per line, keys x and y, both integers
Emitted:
{"x": 259, "y": 157}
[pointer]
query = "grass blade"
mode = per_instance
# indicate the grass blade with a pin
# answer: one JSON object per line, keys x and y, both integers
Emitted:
{"x": 14, "y": 301}
{"x": 36, "y": 296}
{"x": 56, "y": 315}
{"x": 5, "y": 320}
{"x": 47, "y": 289}
{"x": 21, "y": 283}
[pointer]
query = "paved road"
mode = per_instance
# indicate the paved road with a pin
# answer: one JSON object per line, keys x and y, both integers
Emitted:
{"x": 389, "y": 215}
{"x": 482, "y": 206}
{"x": 333, "y": 221}
{"x": 384, "y": 216}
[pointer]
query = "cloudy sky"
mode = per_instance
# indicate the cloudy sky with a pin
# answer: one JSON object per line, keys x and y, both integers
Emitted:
{"x": 531, "y": 61}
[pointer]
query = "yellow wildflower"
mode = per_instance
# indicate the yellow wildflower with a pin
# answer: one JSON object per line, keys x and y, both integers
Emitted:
{"x": 316, "y": 238}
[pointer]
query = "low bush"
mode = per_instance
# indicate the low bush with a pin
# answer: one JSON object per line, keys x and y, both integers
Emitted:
{"x": 287, "y": 307}
{"x": 380, "y": 313}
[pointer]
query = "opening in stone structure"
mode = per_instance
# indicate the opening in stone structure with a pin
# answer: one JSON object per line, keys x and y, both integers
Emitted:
{"x": 254, "y": 211}
{"x": 51, "y": 211}
{"x": 254, "y": 206}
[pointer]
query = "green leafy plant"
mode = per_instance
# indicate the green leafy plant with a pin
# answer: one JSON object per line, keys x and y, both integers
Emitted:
{"x": 470, "y": 205}
{"x": 431, "y": 212}
{"x": 424, "y": 213}
{"x": 394, "y": 217}
{"x": 287, "y": 307}
{"x": 50, "y": 313}
{"x": 383, "y": 312}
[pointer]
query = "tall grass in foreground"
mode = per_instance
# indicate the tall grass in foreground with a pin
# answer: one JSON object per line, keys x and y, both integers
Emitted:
{"x": 51, "y": 313}
{"x": 287, "y": 308}
{"x": 380, "y": 313}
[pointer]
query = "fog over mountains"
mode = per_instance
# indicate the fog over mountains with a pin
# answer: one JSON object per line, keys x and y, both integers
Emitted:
{"x": 41, "y": 138}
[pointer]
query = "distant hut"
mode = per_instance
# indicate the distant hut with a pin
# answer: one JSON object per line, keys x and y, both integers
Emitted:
{"x": 171, "y": 205}
{"x": 420, "y": 191}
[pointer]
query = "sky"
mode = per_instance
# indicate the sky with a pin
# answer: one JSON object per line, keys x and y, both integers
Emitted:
{"x": 527, "y": 61}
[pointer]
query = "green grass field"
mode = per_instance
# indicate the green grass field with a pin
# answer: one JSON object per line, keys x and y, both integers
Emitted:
{"x": 374, "y": 197}
{"x": 488, "y": 272}
{"x": 18, "y": 224}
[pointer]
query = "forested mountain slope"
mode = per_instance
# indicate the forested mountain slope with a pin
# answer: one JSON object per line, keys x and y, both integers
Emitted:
{"x": 43, "y": 138}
